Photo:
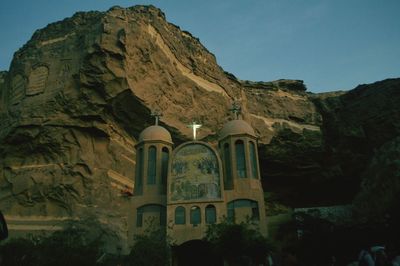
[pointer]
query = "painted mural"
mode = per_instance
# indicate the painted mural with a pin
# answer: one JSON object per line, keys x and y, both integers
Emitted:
{"x": 195, "y": 174}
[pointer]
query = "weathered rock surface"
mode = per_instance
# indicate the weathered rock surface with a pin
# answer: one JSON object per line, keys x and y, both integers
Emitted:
{"x": 361, "y": 132}
{"x": 379, "y": 197}
{"x": 327, "y": 166}
{"x": 80, "y": 91}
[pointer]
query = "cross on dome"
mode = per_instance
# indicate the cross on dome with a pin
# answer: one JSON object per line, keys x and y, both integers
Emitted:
{"x": 156, "y": 114}
{"x": 236, "y": 109}
{"x": 194, "y": 126}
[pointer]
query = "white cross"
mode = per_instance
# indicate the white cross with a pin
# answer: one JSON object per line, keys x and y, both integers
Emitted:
{"x": 194, "y": 126}
{"x": 156, "y": 114}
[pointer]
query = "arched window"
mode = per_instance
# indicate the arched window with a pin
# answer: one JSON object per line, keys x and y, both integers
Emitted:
{"x": 255, "y": 213}
{"x": 139, "y": 172}
{"x": 195, "y": 215}
{"x": 151, "y": 166}
{"x": 253, "y": 160}
{"x": 180, "y": 215}
{"x": 164, "y": 168}
{"x": 231, "y": 211}
{"x": 248, "y": 209}
{"x": 139, "y": 217}
{"x": 240, "y": 159}
{"x": 211, "y": 214}
{"x": 151, "y": 213}
{"x": 228, "y": 168}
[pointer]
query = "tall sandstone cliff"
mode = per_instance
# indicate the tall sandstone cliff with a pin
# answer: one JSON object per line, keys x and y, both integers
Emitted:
{"x": 79, "y": 92}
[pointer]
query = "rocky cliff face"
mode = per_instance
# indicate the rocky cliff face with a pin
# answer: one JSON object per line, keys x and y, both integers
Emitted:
{"x": 327, "y": 166}
{"x": 361, "y": 130}
{"x": 80, "y": 91}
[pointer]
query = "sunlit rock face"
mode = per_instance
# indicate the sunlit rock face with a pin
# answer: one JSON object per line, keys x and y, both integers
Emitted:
{"x": 79, "y": 92}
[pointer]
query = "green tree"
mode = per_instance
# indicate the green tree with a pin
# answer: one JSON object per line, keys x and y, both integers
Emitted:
{"x": 78, "y": 244}
{"x": 238, "y": 244}
{"x": 151, "y": 248}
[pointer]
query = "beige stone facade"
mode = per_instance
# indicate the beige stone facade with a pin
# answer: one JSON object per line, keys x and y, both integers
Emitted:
{"x": 193, "y": 185}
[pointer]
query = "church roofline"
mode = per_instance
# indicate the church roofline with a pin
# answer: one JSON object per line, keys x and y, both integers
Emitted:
{"x": 153, "y": 142}
{"x": 195, "y": 142}
{"x": 238, "y": 135}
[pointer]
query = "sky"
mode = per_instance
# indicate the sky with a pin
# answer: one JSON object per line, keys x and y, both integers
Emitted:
{"x": 330, "y": 44}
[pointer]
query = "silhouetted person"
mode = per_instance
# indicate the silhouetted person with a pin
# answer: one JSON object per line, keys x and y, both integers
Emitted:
{"x": 396, "y": 261}
{"x": 365, "y": 258}
{"x": 381, "y": 258}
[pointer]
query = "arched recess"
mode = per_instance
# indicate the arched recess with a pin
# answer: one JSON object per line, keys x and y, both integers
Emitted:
{"x": 152, "y": 165}
{"x": 240, "y": 159}
{"x": 228, "y": 167}
{"x": 196, "y": 253}
{"x": 195, "y": 215}
{"x": 242, "y": 209}
{"x": 195, "y": 173}
{"x": 152, "y": 214}
{"x": 211, "y": 214}
{"x": 139, "y": 172}
{"x": 180, "y": 215}
{"x": 253, "y": 160}
{"x": 164, "y": 168}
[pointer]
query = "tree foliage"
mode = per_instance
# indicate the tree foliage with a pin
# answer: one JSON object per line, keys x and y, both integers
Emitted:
{"x": 72, "y": 246}
{"x": 238, "y": 244}
{"x": 151, "y": 248}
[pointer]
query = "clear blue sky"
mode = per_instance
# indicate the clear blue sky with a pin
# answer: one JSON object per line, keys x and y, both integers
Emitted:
{"x": 330, "y": 44}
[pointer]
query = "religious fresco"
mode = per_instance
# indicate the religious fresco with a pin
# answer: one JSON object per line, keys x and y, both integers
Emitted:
{"x": 195, "y": 174}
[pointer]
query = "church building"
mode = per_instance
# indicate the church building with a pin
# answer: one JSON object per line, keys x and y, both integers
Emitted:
{"x": 188, "y": 187}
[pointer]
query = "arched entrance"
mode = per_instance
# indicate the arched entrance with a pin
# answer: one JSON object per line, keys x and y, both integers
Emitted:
{"x": 195, "y": 253}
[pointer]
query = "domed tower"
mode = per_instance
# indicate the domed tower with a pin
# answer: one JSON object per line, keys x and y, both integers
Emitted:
{"x": 152, "y": 158}
{"x": 243, "y": 190}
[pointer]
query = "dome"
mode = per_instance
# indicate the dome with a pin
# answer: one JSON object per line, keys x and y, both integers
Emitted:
{"x": 155, "y": 133}
{"x": 236, "y": 127}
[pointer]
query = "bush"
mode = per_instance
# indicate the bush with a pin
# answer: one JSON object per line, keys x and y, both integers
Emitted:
{"x": 238, "y": 244}
{"x": 68, "y": 247}
{"x": 150, "y": 249}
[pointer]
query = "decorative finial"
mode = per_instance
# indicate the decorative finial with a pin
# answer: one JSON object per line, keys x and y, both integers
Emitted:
{"x": 236, "y": 109}
{"x": 156, "y": 114}
{"x": 194, "y": 126}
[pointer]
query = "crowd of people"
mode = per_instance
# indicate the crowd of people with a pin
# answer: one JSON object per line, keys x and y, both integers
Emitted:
{"x": 368, "y": 256}
{"x": 377, "y": 256}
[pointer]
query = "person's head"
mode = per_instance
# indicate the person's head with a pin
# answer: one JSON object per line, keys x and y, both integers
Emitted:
{"x": 375, "y": 249}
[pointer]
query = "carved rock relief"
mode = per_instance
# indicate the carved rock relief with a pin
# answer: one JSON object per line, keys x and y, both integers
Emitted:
{"x": 17, "y": 91}
{"x": 37, "y": 80}
{"x": 64, "y": 72}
